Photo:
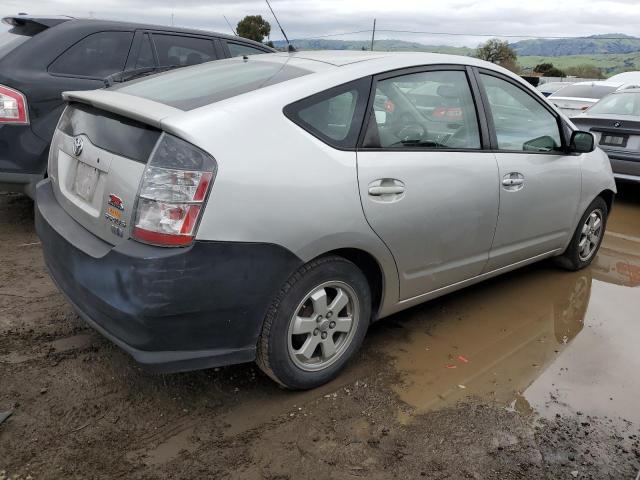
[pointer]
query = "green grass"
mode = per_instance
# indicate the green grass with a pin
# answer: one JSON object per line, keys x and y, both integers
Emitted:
{"x": 609, "y": 63}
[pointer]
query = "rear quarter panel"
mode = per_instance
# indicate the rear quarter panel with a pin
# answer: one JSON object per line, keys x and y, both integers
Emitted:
{"x": 278, "y": 184}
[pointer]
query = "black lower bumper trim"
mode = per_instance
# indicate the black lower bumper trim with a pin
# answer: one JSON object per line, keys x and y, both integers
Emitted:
{"x": 172, "y": 309}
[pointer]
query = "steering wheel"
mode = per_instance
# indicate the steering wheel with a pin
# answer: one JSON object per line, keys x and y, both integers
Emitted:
{"x": 408, "y": 128}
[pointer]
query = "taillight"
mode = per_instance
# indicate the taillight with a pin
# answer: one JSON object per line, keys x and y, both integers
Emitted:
{"x": 13, "y": 106}
{"x": 175, "y": 185}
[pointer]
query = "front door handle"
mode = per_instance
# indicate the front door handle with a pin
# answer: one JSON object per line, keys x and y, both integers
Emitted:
{"x": 387, "y": 190}
{"x": 513, "y": 181}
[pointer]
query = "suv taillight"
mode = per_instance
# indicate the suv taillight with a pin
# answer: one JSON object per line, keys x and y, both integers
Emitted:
{"x": 13, "y": 106}
{"x": 175, "y": 185}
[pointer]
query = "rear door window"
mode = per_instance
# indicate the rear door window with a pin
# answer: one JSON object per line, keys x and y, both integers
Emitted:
{"x": 335, "y": 115}
{"x": 180, "y": 51}
{"x": 239, "y": 49}
{"x": 97, "y": 56}
{"x": 433, "y": 109}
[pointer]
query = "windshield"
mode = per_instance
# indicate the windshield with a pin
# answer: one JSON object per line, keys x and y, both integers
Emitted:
{"x": 585, "y": 91}
{"x": 618, "y": 104}
{"x": 11, "y": 39}
{"x": 200, "y": 85}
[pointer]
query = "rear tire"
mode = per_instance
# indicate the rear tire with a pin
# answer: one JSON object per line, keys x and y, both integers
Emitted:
{"x": 316, "y": 323}
{"x": 587, "y": 238}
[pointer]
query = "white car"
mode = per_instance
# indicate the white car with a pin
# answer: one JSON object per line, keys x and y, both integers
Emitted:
{"x": 626, "y": 77}
{"x": 271, "y": 207}
{"x": 576, "y": 98}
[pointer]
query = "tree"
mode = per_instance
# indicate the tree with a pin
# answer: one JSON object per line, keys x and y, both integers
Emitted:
{"x": 499, "y": 52}
{"x": 253, "y": 27}
{"x": 585, "y": 71}
{"x": 548, "y": 70}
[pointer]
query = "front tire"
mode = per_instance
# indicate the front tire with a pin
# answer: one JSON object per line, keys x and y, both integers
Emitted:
{"x": 587, "y": 238}
{"x": 316, "y": 323}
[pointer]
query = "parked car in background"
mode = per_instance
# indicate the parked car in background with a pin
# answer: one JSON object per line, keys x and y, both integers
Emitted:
{"x": 192, "y": 236}
{"x": 615, "y": 123}
{"x": 40, "y": 57}
{"x": 576, "y": 98}
{"x": 551, "y": 87}
{"x": 626, "y": 77}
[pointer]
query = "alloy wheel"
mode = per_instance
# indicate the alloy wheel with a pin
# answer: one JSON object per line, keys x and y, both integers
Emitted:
{"x": 323, "y": 325}
{"x": 590, "y": 235}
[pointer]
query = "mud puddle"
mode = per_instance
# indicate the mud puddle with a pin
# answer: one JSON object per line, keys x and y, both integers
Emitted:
{"x": 538, "y": 339}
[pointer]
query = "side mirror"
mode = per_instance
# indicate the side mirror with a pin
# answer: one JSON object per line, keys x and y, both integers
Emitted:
{"x": 582, "y": 142}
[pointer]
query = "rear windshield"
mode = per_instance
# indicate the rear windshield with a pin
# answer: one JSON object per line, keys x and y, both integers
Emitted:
{"x": 618, "y": 104}
{"x": 13, "y": 38}
{"x": 585, "y": 91}
{"x": 201, "y": 85}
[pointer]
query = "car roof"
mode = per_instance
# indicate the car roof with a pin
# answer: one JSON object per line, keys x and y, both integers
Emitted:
{"x": 52, "y": 20}
{"x": 341, "y": 58}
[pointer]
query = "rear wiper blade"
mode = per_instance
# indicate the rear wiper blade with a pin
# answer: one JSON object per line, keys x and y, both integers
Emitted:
{"x": 135, "y": 73}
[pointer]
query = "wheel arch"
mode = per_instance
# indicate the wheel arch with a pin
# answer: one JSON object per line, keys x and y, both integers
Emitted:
{"x": 608, "y": 196}
{"x": 372, "y": 270}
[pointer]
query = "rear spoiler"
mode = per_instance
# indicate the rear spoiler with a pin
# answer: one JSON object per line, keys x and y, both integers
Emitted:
{"x": 42, "y": 22}
{"x": 136, "y": 108}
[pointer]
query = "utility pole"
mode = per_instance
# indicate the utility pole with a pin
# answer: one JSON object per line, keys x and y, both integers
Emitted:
{"x": 373, "y": 34}
{"x": 172, "y": 19}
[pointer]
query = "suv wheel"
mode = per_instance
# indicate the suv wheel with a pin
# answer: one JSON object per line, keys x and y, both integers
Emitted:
{"x": 316, "y": 323}
{"x": 587, "y": 237}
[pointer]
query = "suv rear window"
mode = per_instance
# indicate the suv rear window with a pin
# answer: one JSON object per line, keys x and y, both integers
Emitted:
{"x": 201, "y": 85}
{"x": 13, "y": 38}
{"x": 585, "y": 91}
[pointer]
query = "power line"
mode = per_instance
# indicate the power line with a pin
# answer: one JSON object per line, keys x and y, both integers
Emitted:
{"x": 334, "y": 35}
{"x": 458, "y": 34}
{"x": 504, "y": 36}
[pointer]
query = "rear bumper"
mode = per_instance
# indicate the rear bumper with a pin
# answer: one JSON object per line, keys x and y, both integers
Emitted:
{"x": 23, "y": 158}
{"x": 625, "y": 166}
{"x": 172, "y": 309}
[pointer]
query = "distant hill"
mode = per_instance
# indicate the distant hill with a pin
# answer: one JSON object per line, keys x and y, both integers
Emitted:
{"x": 608, "y": 63}
{"x": 611, "y": 56}
{"x": 592, "y": 45}
{"x": 380, "y": 45}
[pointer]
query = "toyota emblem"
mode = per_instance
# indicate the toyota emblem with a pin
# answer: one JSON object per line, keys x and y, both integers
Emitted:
{"x": 617, "y": 124}
{"x": 77, "y": 146}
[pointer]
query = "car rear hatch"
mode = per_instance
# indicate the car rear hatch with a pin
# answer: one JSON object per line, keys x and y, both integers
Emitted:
{"x": 98, "y": 156}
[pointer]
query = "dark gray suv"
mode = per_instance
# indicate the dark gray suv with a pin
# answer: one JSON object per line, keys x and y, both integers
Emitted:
{"x": 40, "y": 57}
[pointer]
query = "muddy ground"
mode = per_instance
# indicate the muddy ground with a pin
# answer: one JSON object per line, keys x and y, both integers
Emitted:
{"x": 531, "y": 375}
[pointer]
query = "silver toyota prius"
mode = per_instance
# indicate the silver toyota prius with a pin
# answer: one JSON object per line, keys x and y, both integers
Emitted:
{"x": 269, "y": 208}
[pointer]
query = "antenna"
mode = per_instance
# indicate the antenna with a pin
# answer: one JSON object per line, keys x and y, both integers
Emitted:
{"x": 230, "y": 27}
{"x": 290, "y": 47}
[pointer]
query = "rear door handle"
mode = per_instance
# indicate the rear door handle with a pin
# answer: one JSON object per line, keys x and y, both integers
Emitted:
{"x": 507, "y": 182}
{"x": 513, "y": 181}
{"x": 386, "y": 190}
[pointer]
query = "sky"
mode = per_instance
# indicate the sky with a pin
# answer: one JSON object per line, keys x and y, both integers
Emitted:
{"x": 313, "y": 18}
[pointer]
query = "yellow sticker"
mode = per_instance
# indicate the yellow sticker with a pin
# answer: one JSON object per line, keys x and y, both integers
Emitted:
{"x": 114, "y": 212}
